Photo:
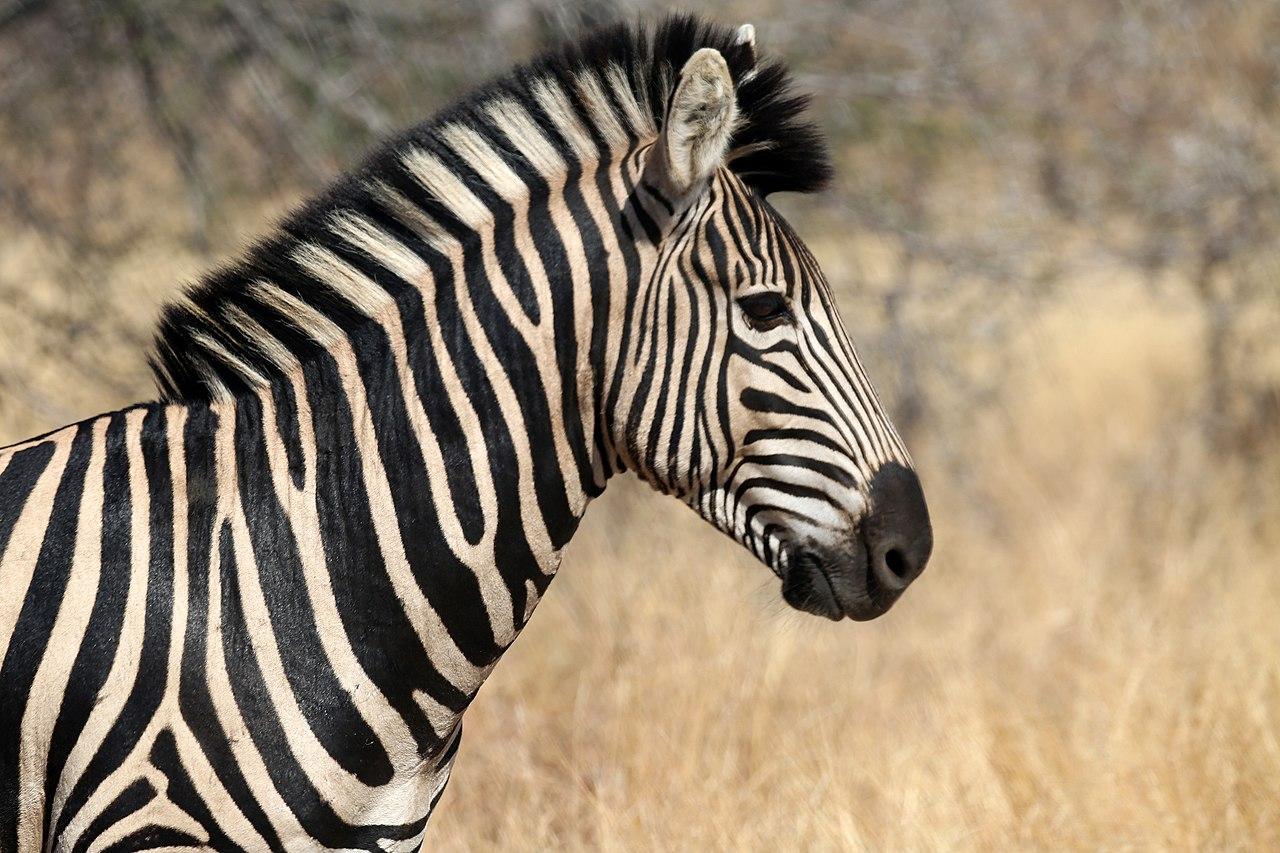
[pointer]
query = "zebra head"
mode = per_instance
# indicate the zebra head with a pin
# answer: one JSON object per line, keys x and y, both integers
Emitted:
{"x": 745, "y": 397}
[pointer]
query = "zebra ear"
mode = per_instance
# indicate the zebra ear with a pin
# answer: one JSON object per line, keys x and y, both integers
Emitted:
{"x": 745, "y": 40}
{"x": 698, "y": 124}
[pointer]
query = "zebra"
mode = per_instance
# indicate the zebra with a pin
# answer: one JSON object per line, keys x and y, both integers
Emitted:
{"x": 250, "y": 613}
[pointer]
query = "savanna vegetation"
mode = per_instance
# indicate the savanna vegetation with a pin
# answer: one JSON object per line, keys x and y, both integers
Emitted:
{"x": 1055, "y": 233}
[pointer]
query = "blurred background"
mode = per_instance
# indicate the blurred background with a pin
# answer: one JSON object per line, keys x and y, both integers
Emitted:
{"x": 1055, "y": 234}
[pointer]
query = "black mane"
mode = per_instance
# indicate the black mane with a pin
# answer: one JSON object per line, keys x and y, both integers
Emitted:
{"x": 773, "y": 149}
{"x": 782, "y": 151}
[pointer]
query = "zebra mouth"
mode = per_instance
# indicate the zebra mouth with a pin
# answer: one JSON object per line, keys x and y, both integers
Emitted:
{"x": 835, "y": 585}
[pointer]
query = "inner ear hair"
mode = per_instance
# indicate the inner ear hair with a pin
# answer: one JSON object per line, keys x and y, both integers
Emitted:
{"x": 745, "y": 40}
{"x": 699, "y": 123}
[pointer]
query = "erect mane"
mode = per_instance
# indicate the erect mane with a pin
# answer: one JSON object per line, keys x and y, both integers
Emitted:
{"x": 223, "y": 335}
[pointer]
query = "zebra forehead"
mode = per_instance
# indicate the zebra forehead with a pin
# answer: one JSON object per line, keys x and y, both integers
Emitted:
{"x": 756, "y": 232}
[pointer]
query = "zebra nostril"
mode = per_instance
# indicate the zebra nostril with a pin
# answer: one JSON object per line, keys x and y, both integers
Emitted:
{"x": 896, "y": 563}
{"x": 896, "y": 566}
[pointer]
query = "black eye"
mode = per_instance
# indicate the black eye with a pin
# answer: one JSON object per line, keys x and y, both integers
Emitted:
{"x": 764, "y": 310}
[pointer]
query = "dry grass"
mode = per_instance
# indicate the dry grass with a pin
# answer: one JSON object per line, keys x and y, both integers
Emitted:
{"x": 1090, "y": 661}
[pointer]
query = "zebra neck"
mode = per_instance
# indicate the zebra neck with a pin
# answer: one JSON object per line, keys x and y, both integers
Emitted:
{"x": 432, "y": 363}
{"x": 461, "y": 431}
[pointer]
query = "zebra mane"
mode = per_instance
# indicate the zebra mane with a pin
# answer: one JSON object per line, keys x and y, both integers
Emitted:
{"x": 230, "y": 331}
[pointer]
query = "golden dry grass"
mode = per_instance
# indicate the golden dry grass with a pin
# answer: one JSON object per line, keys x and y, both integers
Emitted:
{"x": 1091, "y": 661}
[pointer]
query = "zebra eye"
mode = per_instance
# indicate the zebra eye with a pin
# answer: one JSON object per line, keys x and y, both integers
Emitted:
{"x": 764, "y": 310}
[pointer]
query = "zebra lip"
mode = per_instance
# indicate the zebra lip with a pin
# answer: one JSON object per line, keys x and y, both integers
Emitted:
{"x": 835, "y": 586}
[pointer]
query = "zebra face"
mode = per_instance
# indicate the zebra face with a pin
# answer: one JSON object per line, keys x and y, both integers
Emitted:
{"x": 818, "y": 483}
{"x": 756, "y": 410}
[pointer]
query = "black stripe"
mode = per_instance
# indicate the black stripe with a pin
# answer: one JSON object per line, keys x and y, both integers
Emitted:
{"x": 517, "y": 361}
{"x": 384, "y": 641}
{"x": 428, "y": 383}
{"x": 153, "y": 837}
{"x": 182, "y": 793}
{"x": 687, "y": 375}
{"x": 314, "y": 813}
{"x": 290, "y": 427}
{"x": 34, "y": 626}
{"x": 794, "y": 490}
{"x": 16, "y": 482}
{"x": 707, "y": 369}
{"x": 450, "y": 586}
{"x": 248, "y": 686}
{"x": 723, "y": 430}
{"x": 794, "y": 434}
{"x": 153, "y": 660}
{"x": 554, "y": 260}
{"x": 756, "y": 358}
{"x": 808, "y": 463}
{"x": 327, "y": 707}
{"x": 130, "y": 800}
{"x": 194, "y": 700}
{"x": 102, "y": 635}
